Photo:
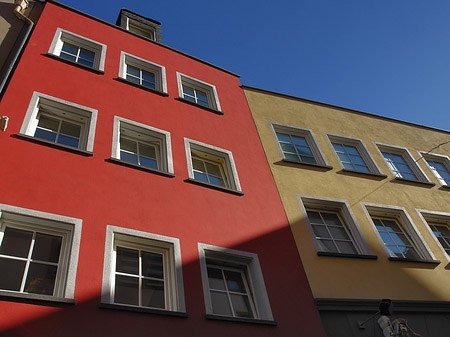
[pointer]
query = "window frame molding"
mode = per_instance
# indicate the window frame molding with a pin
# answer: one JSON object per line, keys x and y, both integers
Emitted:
{"x": 255, "y": 280}
{"x": 138, "y": 62}
{"x": 98, "y": 48}
{"x": 409, "y": 159}
{"x": 171, "y": 245}
{"x": 407, "y": 225}
{"x": 30, "y": 121}
{"x": 426, "y": 215}
{"x": 362, "y": 150}
{"x": 443, "y": 159}
{"x": 70, "y": 228}
{"x": 163, "y": 136}
{"x": 209, "y": 89}
{"x": 225, "y": 155}
{"x": 311, "y": 140}
{"x": 343, "y": 208}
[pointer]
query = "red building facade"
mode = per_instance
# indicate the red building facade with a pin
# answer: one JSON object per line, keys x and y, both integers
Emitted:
{"x": 136, "y": 196}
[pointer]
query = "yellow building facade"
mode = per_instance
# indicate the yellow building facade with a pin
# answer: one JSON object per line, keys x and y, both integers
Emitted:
{"x": 368, "y": 201}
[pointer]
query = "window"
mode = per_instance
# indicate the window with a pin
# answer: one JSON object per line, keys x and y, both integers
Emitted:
{"x": 401, "y": 163}
{"x": 333, "y": 226}
{"x": 397, "y": 232}
{"x": 211, "y": 165}
{"x": 38, "y": 253}
{"x": 439, "y": 227}
{"x": 440, "y": 166}
{"x": 233, "y": 284}
{"x": 142, "y": 145}
{"x": 142, "y": 270}
{"x": 298, "y": 145}
{"x": 143, "y": 72}
{"x": 140, "y": 29}
{"x": 54, "y": 120}
{"x": 198, "y": 92}
{"x": 353, "y": 155}
{"x": 78, "y": 49}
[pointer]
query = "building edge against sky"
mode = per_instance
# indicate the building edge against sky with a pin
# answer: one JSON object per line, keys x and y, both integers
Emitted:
{"x": 132, "y": 202}
{"x": 367, "y": 198}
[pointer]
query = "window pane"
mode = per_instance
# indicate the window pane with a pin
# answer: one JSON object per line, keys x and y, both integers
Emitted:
{"x": 133, "y": 79}
{"x": 147, "y": 150}
{"x": 87, "y": 55}
{"x": 44, "y": 134}
{"x": 200, "y": 177}
{"x": 220, "y": 303}
{"x": 148, "y": 162}
{"x": 321, "y": 231}
{"x": 127, "y": 290}
{"x": 215, "y": 279}
{"x": 153, "y": 294}
{"x": 128, "y": 145}
{"x": 216, "y": 181}
{"x": 339, "y": 233}
{"x": 234, "y": 281}
{"x": 48, "y": 123}
{"x": 198, "y": 165}
{"x": 69, "y": 48}
{"x": 152, "y": 265}
{"x": 46, "y": 248}
{"x": 16, "y": 242}
{"x": 346, "y": 247}
{"x": 411, "y": 253}
{"x": 188, "y": 91}
{"x": 85, "y": 62}
{"x": 69, "y": 141}
{"x": 283, "y": 137}
{"x": 386, "y": 238}
{"x": 12, "y": 273}
{"x": 291, "y": 157}
{"x": 327, "y": 246}
{"x": 241, "y": 306}
{"x": 311, "y": 160}
{"x": 133, "y": 71}
{"x": 287, "y": 147}
{"x": 314, "y": 217}
{"x": 41, "y": 279}
{"x": 71, "y": 129}
{"x": 300, "y": 141}
{"x": 331, "y": 219}
{"x": 213, "y": 169}
{"x": 127, "y": 261}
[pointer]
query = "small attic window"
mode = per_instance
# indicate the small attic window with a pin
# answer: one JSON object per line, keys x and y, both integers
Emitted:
{"x": 141, "y": 29}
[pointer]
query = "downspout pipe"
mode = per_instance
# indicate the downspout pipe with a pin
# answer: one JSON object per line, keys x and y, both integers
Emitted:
{"x": 21, "y": 6}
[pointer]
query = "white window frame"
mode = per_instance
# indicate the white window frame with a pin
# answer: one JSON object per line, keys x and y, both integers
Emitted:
{"x": 444, "y": 160}
{"x": 143, "y": 27}
{"x": 132, "y": 238}
{"x": 66, "y": 227}
{"x": 98, "y": 48}
{"x": 225, "y": 156}
{"x": 360, "y": 147}
{"x": 246, "y": 261}
{"x": 159, "y": 70}
{"x": 341, "y": 207}
{"x": 435, "y": 216}
{"x": 59, "y": 106}
{"x": 300, "y": 132}
{"x": 405, "y": 222}
{"x": 209, "y": 89}
{"x": 165, "y": 160}
{"x": 402, "y": 151}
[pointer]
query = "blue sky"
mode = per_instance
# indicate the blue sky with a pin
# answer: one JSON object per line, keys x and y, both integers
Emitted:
{"x": 387, "y": 57}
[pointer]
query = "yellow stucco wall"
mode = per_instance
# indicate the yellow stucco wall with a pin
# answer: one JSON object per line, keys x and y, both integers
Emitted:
{"x": 333, "y": 277}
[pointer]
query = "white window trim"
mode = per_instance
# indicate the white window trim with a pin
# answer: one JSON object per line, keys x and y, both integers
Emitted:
{"x": 71, "y": 227}
{"x": 406, "y": 223}
{"x": 404, "y": 152}
{"x": 360, "y": 146}
{"x": 444, "y": 160}
{"x": 426, "y": 216}
{"x": 209, "y": 89}
{"x": 30, "y": 121}
{"x": 172, "y": 245}
{"x": 158, "y": 70}
{"x": 98, "y": 48}
{"x": 254, "y": 273}
{"x": 225, "y": 155}
{"x": 163, "y": 136}
{"x": 307, "y": 134}
{"x": 343, "y": 208}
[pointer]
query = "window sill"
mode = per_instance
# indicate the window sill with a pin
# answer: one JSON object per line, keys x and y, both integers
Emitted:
{"x": 445, "y": 188}
{"x": 139, "y": 167}
{"x": 54, "y": 145}
{"x": 371, "y": 174}
{"x": 327, "y": 167}
{"x": 241, "y": 320}
{"x": 215, "y": 187}
{"x": 401, "y": 259}
{"x": 142, "y": 310}
{"x": 37, "y": 299}
{"x": 181, "y": 99}
{"x": 82, "y": 66}
{"x": 410, "y": 181}
{"x": 124, "y": 80}
{"x": 352, "y": 256}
